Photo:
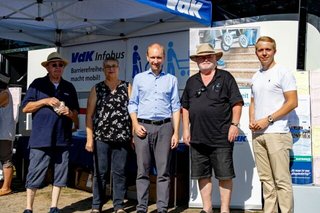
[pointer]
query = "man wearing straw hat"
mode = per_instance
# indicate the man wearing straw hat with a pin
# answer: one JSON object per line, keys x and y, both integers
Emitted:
{"x": 54, "y": 106}
{"x": 211, "y": 110}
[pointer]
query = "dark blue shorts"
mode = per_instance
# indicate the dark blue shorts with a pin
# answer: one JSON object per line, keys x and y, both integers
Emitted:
{"x": 40, "y": 158}
{"x": 205, "y": 158}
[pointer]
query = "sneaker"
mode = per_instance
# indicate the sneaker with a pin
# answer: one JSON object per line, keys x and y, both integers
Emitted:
{"x": 27, "y": 211}
{"x": 54, "y": 210}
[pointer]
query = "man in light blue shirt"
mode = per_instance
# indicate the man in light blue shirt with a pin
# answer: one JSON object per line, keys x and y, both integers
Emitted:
{"x": 154, "y": 109}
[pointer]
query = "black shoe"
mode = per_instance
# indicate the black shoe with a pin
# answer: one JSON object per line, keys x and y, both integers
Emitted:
{"x": 203, "y": 211}
{"x": 54, "y": 210}
{"x": 27, "y": 211}
{"x": 140, "y": 211}
{"x": 120, "y": 211}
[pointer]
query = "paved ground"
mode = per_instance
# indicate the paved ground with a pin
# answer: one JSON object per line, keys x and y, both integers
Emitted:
{"x": 74, "y": 200}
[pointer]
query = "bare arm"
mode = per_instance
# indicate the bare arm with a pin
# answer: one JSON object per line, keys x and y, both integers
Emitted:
{"x": 176, "y": 125}
{"x": 91, "y": 106}
{"x": 132, "y": 129}
{"x": 4, "y": 98}
{"x": 251, "y": 114}
{"x": 33, "y": 106}
{"x": 186, "y": 126}
{"x": 76, "y": 124}
{"x": 129, "y": 90}
{"x": 236, "y": 114}
{"x": 291, "y": 102}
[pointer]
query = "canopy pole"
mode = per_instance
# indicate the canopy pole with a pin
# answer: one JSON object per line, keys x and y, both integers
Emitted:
{"x": 58, "y": 37}
{"x": 302, "y": 30}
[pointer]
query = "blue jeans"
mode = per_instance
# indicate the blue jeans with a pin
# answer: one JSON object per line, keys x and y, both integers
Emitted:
{"x": 103, "y": 153}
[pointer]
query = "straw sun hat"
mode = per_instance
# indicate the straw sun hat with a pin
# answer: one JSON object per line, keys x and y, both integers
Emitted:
{"x": 54, "y": 56}
{"x": 205, "y": 49}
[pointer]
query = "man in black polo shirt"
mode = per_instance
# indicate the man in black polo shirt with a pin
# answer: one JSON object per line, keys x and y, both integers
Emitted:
{"x": 211, "y": 112}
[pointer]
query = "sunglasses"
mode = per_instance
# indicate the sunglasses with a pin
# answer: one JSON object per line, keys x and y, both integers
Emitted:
{"x": 204, "y": 57}
{"x": 57, "y": 65}
{"x": 108, "y": 67}
{"x": 201, "y": 90}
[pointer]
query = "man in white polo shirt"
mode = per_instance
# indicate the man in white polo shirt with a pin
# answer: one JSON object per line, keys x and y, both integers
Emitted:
{"x": 274, "y": 95}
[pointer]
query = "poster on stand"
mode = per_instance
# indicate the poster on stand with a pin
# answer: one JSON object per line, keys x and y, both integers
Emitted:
{"x": 299, "y": 123}
{"x": 315, "y": 121}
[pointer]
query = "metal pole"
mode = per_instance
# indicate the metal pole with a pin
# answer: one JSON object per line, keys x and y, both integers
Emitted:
{"x": 302, "y": 30}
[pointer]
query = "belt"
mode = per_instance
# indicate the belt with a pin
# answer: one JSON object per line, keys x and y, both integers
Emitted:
{"x": 159, "y": 122}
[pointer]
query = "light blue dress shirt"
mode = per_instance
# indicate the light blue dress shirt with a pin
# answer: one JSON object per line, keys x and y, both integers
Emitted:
{"x": 154, "y": 97}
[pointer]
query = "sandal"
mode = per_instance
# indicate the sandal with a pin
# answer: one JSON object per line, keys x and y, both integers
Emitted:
{"x": 5, "y": 192}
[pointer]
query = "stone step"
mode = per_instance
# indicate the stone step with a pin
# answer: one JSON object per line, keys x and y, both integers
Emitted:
{"x": 234, "y": 64}
{"x": 242, "y": 75}
{"x": 195, "y": 69}
{"x": 250, "y": 49}
{"x": 243, "y": 78}
{"x": 239, "y": 56}
{"x": 237, "y": 73}
{"x": 252, "y": 64}
{"x": 239, "y": 70}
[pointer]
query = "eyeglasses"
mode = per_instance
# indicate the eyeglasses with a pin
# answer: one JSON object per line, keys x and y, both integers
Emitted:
{"x": 108, "y": 67}
{"x": 57, "y": 65}
{"x": 201, "y": 90}
{"x": 204, "y": 57}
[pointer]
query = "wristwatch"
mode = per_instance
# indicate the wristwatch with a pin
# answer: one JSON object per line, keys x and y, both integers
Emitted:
{"x": 235, "y": 124}
{"x": 270, "y": 119}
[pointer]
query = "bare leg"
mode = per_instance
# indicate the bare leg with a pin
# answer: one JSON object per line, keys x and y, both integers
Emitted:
{"x": 7, "y": 176}
{"x": 205, "y": 186}
{"x": 31, "y": 193}
{"x": 55, "y": 196}
{"x": 225, "y": 187}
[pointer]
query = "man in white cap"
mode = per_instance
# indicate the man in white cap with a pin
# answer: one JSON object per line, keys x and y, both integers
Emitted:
{"x": 7, "y": 133}
{"x": 211, "y": 110}
{"x": 54, "y": 106}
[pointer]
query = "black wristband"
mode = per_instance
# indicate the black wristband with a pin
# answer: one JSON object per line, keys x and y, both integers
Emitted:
{"x": 235, "y": 124}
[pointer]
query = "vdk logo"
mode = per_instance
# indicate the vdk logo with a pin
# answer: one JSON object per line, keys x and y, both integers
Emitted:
{"x": 82, "y": 57}
{"x": 185, "y": 6}
{"x": 241, "y": 139}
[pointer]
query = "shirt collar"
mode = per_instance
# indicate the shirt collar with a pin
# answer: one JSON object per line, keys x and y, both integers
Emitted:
{"x": 149, "y": 71}
{"x": 216, "y": 75}
{"x": 48, "y": 79}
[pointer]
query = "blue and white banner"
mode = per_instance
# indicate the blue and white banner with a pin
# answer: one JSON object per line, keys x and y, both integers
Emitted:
{"x": 197, "y": 10}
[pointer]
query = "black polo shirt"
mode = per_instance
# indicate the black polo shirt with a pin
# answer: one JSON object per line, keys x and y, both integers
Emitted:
{"x": 48, "y": 128}
{"x": 210, "y": 108}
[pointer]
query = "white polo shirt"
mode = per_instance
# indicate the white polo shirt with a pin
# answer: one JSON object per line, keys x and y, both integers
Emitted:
{"x": 268, "y": 88}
